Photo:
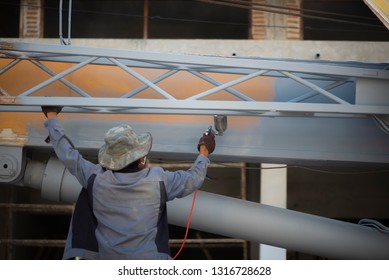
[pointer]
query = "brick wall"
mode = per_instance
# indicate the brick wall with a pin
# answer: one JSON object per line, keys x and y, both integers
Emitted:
{"x": 294, "y": 31}
{"x": 258, "y": 22}
{"x": 263, "y": 23}
{"x": 275, "y": 26}
{"x": 31, "y": 19}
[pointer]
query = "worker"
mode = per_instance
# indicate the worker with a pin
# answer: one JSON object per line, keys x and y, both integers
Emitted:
{"x": 121, "y": 210}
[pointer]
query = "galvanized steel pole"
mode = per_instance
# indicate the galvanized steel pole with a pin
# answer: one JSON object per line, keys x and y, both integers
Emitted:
{"x": 289, "y": 229}
{"x": 242, "y": 219}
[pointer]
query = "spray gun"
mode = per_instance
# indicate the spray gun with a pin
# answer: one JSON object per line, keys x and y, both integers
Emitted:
{"x": 209, "y": 131}
{"x": 220, "y": 123}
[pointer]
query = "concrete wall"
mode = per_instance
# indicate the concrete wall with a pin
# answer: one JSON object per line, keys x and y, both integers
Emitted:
{"x": 288, "y": 49}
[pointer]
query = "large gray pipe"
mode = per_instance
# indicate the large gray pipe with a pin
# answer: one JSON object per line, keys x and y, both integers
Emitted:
{"x": 241, "y": 219}
{"x": 280, "y": 227}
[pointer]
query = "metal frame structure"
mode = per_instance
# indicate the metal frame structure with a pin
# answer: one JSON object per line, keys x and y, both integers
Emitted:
{"x": 320, "y": 79}
{"x": 303, "y": 72}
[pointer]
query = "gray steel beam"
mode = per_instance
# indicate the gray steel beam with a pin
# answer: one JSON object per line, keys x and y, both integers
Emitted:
{"x": 194, "y": 60}
{"x": 247, "y": 68}
{"x": 217, "y": 107}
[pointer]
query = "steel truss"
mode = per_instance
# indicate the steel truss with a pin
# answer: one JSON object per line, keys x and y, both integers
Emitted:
{"x": 305, "y": 73}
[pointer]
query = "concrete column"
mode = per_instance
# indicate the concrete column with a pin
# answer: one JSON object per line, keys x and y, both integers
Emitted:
{"x": 273, "y": 20}
{"x": 273, "y": 192}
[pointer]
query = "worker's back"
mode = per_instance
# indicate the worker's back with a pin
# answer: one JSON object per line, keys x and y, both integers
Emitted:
{"x": 131, "y": 215}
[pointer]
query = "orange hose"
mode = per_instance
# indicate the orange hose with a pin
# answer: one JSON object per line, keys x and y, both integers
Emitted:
{"x": 187, "y": 225}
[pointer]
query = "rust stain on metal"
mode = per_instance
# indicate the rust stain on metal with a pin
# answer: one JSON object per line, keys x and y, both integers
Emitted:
{"x": 8, "y": 100}
{"x": 14, "y": 127}
{"x": 9, "y": 137}
{"x": 5, "y": 45}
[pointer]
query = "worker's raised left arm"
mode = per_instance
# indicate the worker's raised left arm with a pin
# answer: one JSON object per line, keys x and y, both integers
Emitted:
{"x": 79, "y": 167}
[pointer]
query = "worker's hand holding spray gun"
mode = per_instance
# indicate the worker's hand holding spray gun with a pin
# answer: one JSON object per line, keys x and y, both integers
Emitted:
{"x": 208, "y": 140}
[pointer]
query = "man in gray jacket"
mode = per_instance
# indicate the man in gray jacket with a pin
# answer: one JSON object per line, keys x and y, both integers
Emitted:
{"x": 121, "y": 210}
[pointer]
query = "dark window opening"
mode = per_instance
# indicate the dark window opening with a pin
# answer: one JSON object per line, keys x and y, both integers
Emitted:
{"x": 365, "y": 27}
{"x": 9, "y": 20}
{"x": 96, "y": 19}
{"x": 195, "y": 20}
{"x": 165, "y": 20}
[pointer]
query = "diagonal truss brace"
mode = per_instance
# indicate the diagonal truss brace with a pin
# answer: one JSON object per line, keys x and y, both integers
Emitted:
{"x": 57, "y": 77}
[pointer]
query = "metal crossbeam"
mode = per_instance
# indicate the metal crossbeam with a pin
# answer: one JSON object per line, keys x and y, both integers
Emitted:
{"x": 307, "y": 74}
{"x": 182, "y": 107}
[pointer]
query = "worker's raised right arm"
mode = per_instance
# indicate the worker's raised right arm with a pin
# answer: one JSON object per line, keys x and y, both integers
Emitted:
{"x": 182, "y": 183}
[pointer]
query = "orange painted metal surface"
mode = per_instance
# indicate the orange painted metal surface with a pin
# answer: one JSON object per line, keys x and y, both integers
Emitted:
{"x": 108, "y": 81}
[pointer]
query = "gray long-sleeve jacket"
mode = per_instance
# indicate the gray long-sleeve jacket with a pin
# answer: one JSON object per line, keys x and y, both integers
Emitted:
{"x": 129, "y": 209}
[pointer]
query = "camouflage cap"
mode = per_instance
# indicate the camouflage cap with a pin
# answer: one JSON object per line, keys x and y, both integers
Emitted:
{"x": 123, "y": 146}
